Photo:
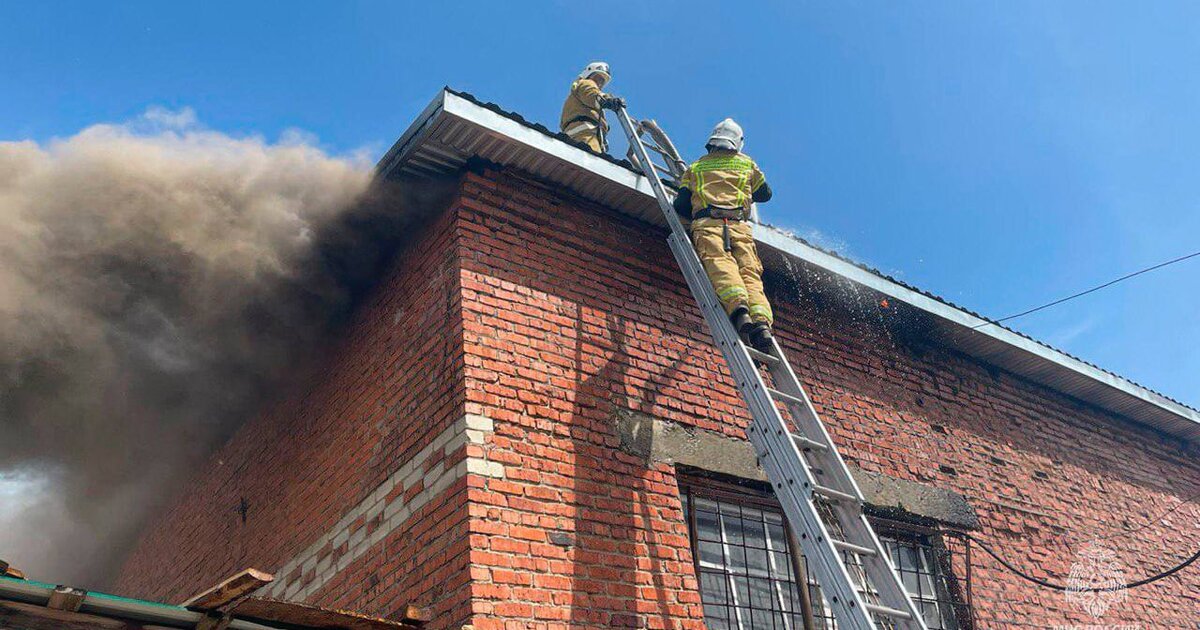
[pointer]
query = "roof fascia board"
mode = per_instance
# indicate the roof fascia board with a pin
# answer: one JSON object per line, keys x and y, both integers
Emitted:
{"x": 417, "y": 130}
{"x": 462, "y": 108}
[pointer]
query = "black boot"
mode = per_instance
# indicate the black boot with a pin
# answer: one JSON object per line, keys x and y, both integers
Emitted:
{"x": 741, "y": 320}
{"x": 760, "y": 337}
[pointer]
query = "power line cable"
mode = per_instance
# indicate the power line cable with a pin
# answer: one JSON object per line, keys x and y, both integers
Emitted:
{"x": 1087, "y": 589}
{"x": 1153, "y": 521}
{"x": 1091, "y": 290}
{"x": 1097, "y": 589}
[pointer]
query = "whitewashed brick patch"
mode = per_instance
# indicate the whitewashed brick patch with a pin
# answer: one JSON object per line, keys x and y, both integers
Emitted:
{"x": 302, "y": 576}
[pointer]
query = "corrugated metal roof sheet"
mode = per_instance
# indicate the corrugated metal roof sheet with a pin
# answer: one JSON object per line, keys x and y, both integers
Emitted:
{"x": 456, "y": 127}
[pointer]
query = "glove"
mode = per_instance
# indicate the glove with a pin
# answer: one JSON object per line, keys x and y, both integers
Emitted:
{"x": 608, "y": 101}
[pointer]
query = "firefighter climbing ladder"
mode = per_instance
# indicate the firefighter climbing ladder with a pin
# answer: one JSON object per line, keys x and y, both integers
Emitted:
{"x": 821, "y": 500}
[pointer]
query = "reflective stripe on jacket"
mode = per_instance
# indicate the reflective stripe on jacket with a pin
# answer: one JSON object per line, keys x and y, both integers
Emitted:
{"x": 724, "y": 179}
{"x": 583, "y": 102}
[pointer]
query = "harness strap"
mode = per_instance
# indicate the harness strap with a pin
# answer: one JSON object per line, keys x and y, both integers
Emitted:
{"x": 583, "y": 118}
{"x": 715, "y": 212}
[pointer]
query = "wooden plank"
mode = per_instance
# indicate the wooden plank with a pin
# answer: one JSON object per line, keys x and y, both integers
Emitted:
{"x": 7, "y": 570}
{"x": 271, "y": 610}
{"x": 30, "y": 617}
{"x": 416, "y": 614}
{"x": 230, "y": 590}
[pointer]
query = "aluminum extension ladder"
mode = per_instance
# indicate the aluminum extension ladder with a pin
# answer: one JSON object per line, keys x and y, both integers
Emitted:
{"x": 823, "y": 504}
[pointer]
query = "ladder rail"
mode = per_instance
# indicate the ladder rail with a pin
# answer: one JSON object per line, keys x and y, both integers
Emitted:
{"x": 857, "y": 529}
{"x": 797, "y": 486}
{"x": 779, "y": 454}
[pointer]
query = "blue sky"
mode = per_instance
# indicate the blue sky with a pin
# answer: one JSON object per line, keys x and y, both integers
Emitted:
{"x": 999, "y": 154}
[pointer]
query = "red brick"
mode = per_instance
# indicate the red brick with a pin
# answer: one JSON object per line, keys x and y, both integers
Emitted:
{"x": 548, "y": 314}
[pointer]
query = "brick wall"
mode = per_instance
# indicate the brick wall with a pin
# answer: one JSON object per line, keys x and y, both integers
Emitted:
{"x": 573, "y": 312}
{"x": 557, "y": 316}
{"x": 358, "y": 465}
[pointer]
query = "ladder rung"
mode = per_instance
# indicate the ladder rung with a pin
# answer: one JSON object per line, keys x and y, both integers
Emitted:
{"x": 823, "y": 507}
{"x": 657, "y": 149}
{"x": 888, "y": 611}
{"x": 786, "y": 397}
{"x": 853, "y": 548}
{"x": 806, "y": 443}
{"x": 761, "y": 356}
{"x": 837, "y": 495}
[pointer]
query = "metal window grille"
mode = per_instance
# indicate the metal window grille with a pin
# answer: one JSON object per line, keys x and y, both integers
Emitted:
{"x": 745, "y": 568}
{"x": 922, "y": 567}
{"x": 743, "y": 555}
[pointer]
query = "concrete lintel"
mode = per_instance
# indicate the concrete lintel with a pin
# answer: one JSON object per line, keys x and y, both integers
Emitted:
{"x": 659, "y": 441}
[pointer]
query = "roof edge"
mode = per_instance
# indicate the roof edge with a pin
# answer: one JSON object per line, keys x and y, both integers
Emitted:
{"x": 506, "y": 126}
{"x": 103, "y": 604}
{"x": 966, "y": 322}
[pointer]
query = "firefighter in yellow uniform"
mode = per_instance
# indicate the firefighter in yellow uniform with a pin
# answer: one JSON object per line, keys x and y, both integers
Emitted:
{"x": 716, "y": 193}
{"x": 582, "y": 115}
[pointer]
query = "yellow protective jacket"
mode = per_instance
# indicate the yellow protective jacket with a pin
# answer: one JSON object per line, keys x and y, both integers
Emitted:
{"x": 583, "y": 103}
{"x": 723, "y": 179}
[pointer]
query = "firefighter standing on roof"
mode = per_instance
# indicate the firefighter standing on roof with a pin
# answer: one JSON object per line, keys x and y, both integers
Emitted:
{"x": 716, "y": 192}
{"x": 582, "y": 115}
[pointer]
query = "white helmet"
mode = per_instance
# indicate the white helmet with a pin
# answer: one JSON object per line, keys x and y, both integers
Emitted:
{"x": 726, "y": 135}
{"x": 597, "y": 67}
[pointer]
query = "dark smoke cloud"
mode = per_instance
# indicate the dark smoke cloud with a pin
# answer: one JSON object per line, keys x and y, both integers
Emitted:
{"x": 156, "y": 278}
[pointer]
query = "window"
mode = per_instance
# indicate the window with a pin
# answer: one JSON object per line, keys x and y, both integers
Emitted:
{"x": 744, "y": 562}
{"x": 914, "y": 558}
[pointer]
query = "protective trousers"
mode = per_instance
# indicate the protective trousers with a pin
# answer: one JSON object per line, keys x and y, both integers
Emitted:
{"x": 736, "y": 275}
{"x": 587, "y": 133}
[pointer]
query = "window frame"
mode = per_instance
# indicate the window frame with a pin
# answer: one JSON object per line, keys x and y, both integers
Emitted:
{"x": 887, "y": 524}
{"x": 743, "y": 496}
{"x": 933, "y": 536}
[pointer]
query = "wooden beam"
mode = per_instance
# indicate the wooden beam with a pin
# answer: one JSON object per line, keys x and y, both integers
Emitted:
{"x": 66, "y": 598}
{"x": 416, "y": 615}
{"x": 294, "y": 614}
{"x": 7, "y": 570}
{"x": 231, "y": 590}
